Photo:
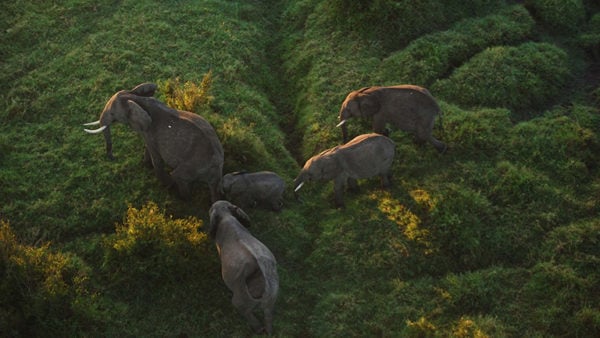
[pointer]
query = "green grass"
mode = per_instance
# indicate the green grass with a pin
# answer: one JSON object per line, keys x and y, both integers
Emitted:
{"x": 498, "y": 237}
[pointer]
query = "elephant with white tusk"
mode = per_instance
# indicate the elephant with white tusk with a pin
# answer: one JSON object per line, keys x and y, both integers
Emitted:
{"x": 365, "y": 156}
{"x": 248, "y": 267}
{"x": 406, "y": 107}
{"x": 182, "y": 140}
{"x": 251, "y": 189}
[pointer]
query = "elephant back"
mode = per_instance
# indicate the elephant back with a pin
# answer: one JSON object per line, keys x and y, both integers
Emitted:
{"x": 367, "y": 155}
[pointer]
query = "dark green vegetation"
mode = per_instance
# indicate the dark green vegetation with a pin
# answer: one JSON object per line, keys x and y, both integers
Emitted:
{"x": 498, "y": 237}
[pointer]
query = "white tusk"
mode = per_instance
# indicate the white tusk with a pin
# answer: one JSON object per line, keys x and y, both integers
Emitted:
{"x": 95, "y": 123}
{"x": 299, "y": 186}
{"x": 95, "y": 131}
{"x": 341, "y": 123}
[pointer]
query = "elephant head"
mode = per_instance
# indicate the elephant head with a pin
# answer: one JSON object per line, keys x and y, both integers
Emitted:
{"x": 359, "y": 103}
{"x": 122, "y": 108}
{"x": 220, "y": 209}
{"x": 321, "y": 167}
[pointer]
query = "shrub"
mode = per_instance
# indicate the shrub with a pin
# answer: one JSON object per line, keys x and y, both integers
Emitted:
{"x": 559, "y": 146}
{"x": 560, "y": 16}
{"x": 150, "y": 248}
{"x": 574, "y": 245}
{"x": 43, "y": 293}
{"x": 483, "y": 291}
{"x": 462, "y": 229}
{"x": 529, "y": 76}
{"x": 557, "y": 301}
{"x": 188, "y": 96}
{"x": 590, "y": 37}
{"x": 393, "y": 23}
{"x": 479, "y": 132}
{"x": 243, "y": 148}
{"x": 432, "y": 56}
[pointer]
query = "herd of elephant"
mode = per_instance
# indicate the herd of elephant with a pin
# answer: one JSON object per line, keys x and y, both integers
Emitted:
{"x": 188, "y": 145}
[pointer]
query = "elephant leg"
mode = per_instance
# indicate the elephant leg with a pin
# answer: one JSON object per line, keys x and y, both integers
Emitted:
{"x": 352, "y": 184}
{"x": 379, "y": 125}
{"x": 439, "y": 145}
{"x": 159, "y": 171}
{"x": 147, "y": 160}
{"x": 183, "y": 178}
{"x": 386, "y": 180}
{"x": 245, "y": 307}
{"x": 216, "y": 191}
{"x": 424, "y": 134}
{"x": 268, "y": 312}
{"x": 338, "y": 188}
{"x": 184, "y": 189}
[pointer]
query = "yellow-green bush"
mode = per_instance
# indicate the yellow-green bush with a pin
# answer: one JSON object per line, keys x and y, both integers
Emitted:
{"x": 150, "y": 248}
{"x": 45, "y": 293}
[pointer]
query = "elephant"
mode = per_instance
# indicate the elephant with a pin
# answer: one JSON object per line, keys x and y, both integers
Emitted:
{"x": 406, "y": 107}
{"x": 251, "y": 189}
{"x": 181, "y": 140}
{"x": 248, "y": 267}
{"x": 364, "y": 156}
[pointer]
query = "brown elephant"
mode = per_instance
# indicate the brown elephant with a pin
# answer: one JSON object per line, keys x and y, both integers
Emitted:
{"x": 406, "y": 107}
{"x": 365, "y": 156}
{"x": 182, "y": 140}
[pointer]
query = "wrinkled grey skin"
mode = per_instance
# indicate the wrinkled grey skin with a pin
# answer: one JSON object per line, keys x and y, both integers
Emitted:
{"x": 181, "y": 140}
{"x": 248, "y": 267}
{"x": 406, "y": 107}
{"x": 365, "y": 156}
{"x": 263, "y": 188}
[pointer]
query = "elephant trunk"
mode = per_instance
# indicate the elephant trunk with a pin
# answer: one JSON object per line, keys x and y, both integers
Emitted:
{"x": 343, "y": 124}
{"x": 108, "y": 140}
{"x": 298, "y": 183}
{"x": 105, "y": 128}
{"x": 344, "y": 131}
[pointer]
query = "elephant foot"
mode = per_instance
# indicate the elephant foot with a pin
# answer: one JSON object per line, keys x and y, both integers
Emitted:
{"x": 340, "y": 205}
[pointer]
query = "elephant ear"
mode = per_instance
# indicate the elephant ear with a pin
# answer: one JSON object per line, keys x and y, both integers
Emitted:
{"x": 369, "y": 105}
{"x": 240, "y": 215}
{"x": 144, "y": 89}
{"x": 213, "y": 225}
{"x": 139, "y": 119}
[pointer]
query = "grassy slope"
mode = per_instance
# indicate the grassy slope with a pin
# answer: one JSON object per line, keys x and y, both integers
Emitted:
{"x": 466, "y": 242}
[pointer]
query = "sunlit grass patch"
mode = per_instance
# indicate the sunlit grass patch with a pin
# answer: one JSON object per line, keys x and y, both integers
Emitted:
{"x": 409, "y": 223}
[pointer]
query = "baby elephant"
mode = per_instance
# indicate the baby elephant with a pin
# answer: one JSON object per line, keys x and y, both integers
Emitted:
{"x": 364, "y": 156}
{"x": 248, "y": 267}
{"x": 264, "y": 188}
